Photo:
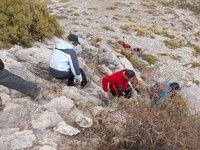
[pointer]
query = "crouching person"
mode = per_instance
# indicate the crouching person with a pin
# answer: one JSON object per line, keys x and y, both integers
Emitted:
{"x": 64, "y": 63}
{"x": 117, "y": 83}
{"x": 15, "y": 82}
{"x": 161, "y": 91}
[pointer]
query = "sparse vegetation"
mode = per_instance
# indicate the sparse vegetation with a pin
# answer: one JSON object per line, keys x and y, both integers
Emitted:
{"x": 192, "y": 5}
{"x": 142, "y": 30}
{"x": 175, "y": 57}
{"x": 23, "y": 21}
{"x": 163, "y": 54}
{"x": 149, "y": 58}
{"x": 107, "y": 28}
{"x": 138, "y": 64}
{"x": 75, "y": 14}
{"x": 136, "y": 125}
{"x": 174, "y": 43}
{"x": 193, "y": 65}
{"x": 149, "y": 4}
{"x": 197, "y": 49}
{"x": 111, "y": 8}
{"x": 126, "y": 53}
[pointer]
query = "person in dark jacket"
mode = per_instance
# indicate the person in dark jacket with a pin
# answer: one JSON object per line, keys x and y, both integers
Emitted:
{"x": 64, "y": 63}
{"x": 15, "y": 82}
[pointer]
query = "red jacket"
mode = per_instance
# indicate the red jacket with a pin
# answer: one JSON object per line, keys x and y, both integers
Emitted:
{"x": 116, "y": 81}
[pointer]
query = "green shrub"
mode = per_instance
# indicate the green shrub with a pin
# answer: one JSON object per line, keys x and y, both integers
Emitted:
{"x": 107, "y": 28}
{"x": 174, "y": 57}
{"x": 111, "y": 8}
{"x": 149, "y": 58}
{"x": 193, "y": 64}
{"x": 22, "y": 21}
{"x": 126, "y": 53}
{"x": 174, "y": 43}
{"x": 197, "y": 49}
{"x": 138, "y": 64}
{"x": 163, "y": 54}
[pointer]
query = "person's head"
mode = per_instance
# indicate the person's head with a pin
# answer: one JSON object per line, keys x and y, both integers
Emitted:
{"x": 73, "y": 39}
{"x": 130, "y": 74}
{"x": 175, "y": 86}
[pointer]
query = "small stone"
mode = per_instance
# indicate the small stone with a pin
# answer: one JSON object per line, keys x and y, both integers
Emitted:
{"x": 84, "y": 121}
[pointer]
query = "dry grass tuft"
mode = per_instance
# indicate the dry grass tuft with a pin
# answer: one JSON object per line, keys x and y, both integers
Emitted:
{"x": 193, "y": 65}
{"x": 111, "y": 8}
{"x": 149, "y": 58}
{"x": 107, "y": 28}
{"x": 175, "y": 57}
{"x": 95, "y": 40}
{"x": 136, "y": 125}
{"x": 174, "y": 43}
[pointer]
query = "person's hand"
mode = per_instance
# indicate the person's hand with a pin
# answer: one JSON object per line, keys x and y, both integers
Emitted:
{"x": 106, "y": 94}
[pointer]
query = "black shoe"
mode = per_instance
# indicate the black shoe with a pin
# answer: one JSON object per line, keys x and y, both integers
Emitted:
{"x": 70, "y": 84}
{"x": 37, "y": 94}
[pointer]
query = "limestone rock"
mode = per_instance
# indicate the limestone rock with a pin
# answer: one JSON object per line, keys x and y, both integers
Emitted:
{"x": 8, "y": 131}
{"x": 47, "y": 147}
{"x": 84, "y": 121}
{"x": 65, "y": 129}
{"x": 60, "y": 104}
{"x": 11, "y": 105}
{"x": 17, "y": 140}
{"x": 5, "y": 98}
{"x": 43, "y": 118}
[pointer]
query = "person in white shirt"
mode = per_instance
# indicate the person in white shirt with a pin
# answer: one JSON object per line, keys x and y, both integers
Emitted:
{"x": 64, "y": 63}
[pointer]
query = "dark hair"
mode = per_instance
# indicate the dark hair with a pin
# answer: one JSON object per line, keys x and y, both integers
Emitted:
{"x": 175, "y": 86}
{"x": 129, "y": 74}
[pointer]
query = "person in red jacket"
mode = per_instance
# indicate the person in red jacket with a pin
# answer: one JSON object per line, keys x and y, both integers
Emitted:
{"x": 117, "y": 83}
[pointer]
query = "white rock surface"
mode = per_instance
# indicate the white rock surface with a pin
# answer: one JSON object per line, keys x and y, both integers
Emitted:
{"x": 84, "y": 121}
{"x": 43, "y": 118}
{"x": 47, "y": 147}
{"x": 65, "y": 129}
{"x": 11, "y": 105}
{"x": 61, "y": 104}
{"x": 8, "y": 131}
{"x": 17, "y": 140}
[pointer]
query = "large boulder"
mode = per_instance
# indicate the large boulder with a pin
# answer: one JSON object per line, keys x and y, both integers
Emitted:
{"x": 43, "y": 118}
{"x": 17, "y": 140}
{"x": 61, "y": 104}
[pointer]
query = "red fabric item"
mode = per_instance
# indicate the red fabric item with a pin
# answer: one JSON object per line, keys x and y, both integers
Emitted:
{"x": 125, "y": 45}
{"x": 116, "y": 81}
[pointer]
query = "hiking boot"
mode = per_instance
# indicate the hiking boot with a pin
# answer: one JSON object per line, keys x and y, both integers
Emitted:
{"x": 36, "y": 93}
{"x": 42, "y": 94}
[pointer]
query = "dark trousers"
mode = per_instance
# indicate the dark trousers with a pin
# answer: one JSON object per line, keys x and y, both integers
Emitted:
{"x": 126, "y": 93}
{"x": 15, "y": 82}
{"x": 68, "y": 75}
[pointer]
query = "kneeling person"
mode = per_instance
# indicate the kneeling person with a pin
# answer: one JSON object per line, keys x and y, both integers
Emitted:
{"x": 117, "y": 83}
{"x": 64, "y": 64}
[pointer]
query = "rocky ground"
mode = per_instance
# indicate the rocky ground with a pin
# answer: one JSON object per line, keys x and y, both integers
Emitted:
{"x": 55, "y": 123}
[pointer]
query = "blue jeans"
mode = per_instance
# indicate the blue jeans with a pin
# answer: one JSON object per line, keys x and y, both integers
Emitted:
{"x": 15, "y": 82}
